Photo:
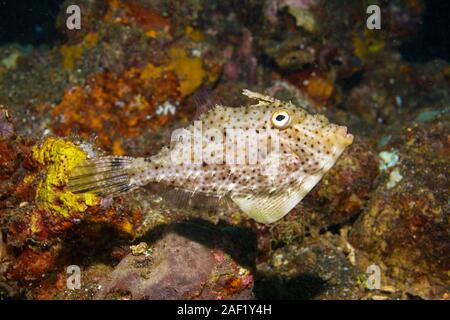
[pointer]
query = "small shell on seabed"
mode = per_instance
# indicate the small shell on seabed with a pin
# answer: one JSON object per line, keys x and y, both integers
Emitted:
{"x": 140, "y": 249}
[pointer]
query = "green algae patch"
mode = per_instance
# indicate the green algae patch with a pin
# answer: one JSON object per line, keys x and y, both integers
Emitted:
{"x": 60, "y": 157}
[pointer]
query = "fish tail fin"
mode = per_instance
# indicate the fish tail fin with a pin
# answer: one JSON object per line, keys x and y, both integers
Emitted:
{"x": 105, "y": 176}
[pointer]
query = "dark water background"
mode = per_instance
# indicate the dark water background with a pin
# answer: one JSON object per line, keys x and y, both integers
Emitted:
{"x": 33, "y": 22}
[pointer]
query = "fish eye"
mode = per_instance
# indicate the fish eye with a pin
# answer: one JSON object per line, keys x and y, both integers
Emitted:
{"x": 281, "y": 119}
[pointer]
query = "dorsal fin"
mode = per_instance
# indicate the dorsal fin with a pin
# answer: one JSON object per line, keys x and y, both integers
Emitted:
{"x": 263, "y": 99}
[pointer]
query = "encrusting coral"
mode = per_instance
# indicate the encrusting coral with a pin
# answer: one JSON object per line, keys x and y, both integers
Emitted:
{"x": 59, "y": 157}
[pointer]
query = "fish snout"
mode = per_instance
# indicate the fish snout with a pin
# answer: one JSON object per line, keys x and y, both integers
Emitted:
{"x": 343, "y": 136}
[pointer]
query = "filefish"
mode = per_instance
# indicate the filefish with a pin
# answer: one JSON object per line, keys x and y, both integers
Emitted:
{"x": 265, "y": 157}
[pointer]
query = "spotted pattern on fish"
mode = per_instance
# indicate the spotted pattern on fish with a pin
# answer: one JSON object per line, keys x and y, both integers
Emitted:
{"x": 306, "y": 147}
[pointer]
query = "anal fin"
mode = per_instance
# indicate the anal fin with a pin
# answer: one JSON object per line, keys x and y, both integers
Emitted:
{"x": 187, "y": 199}
{"x": 268, "y": 207}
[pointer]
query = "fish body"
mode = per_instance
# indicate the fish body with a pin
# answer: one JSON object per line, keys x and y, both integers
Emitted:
{"x": 266, "y": 157}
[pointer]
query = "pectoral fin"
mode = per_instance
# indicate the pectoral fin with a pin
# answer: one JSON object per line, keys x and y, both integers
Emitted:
{"x": 268, "y": 207}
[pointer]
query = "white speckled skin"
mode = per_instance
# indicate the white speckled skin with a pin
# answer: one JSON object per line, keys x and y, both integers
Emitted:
{"x": 306, "y": 148}
{"x": 310, "y": 145}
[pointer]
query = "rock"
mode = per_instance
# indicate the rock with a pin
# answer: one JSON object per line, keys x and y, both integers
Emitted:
{"x": 387, "y": 95}
{"x": 405, "y": 229}
{"x": 189, "y": 261}
{"x": 6, "y": 127}
{"x": 316, "y": 269}
{"x": 345, "y": 189}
